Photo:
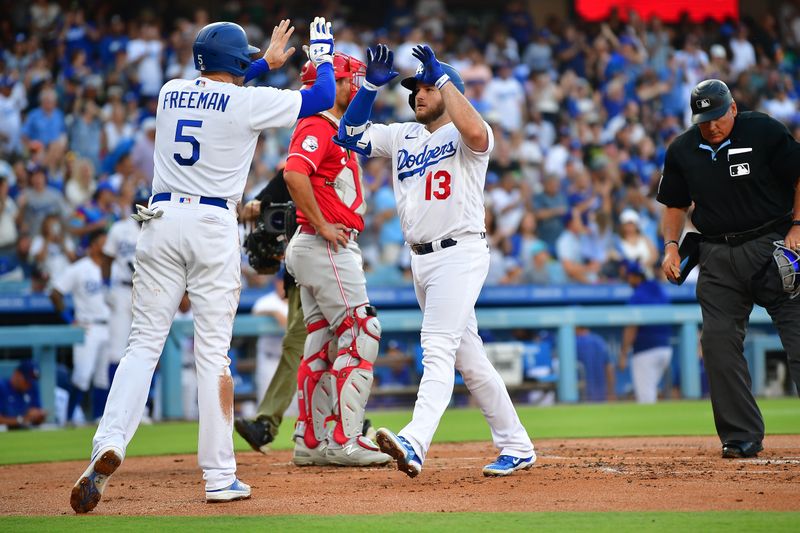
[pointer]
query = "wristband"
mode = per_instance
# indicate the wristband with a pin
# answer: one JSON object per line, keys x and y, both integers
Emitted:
{"x": 676, "y": 243}
{"x": 441, "y": 81}
{"x": 260, "y": 66}
{"x": 369, "y": 86}
{"x": 795, "y": 222}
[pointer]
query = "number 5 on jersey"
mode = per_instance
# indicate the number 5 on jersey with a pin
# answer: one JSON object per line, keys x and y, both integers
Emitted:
{"x": 181, "y": 137}
{"x": 437, "y": 185}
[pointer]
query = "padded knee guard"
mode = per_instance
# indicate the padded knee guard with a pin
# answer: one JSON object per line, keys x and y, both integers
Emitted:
{"x": 353, "y": 372}
{"x": 316, "y": 389}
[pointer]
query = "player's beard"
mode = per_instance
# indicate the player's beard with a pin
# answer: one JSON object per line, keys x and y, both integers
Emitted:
{"x": 429, "y": 114}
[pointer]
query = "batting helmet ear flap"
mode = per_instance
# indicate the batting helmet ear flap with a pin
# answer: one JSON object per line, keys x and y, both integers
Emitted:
{"x": 412, "y": 99}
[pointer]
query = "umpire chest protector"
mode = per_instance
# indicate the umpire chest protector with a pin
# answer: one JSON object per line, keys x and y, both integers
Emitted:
{"x": 745, "y": 182}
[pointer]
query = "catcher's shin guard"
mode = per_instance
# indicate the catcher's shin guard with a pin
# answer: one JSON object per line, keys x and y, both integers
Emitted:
{"x": 315, "y": 386}
{"x": 353, "y": 371}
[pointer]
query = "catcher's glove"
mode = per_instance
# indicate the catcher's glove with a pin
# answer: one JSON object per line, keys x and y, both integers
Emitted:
{"x": 266, "y": 244}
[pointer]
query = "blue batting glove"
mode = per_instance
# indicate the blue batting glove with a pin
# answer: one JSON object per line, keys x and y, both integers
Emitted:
{"x": 430, "y": 71}
{"x": 379, "y": 66}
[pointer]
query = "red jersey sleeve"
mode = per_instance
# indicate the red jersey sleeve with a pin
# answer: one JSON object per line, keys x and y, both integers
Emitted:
{"x": 310, "y": 143}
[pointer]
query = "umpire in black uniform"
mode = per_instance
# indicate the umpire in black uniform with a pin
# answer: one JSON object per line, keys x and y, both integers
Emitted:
{"x": 740, "y": 170}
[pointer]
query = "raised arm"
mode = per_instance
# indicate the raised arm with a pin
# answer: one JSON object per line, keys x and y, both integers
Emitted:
{"x": 353, "y": 127}
{"x": 465, "y": 118}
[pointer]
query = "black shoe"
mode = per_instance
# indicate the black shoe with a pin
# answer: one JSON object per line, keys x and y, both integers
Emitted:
{"x": 368, "y": 431}
{"x": 738, "y": 449}
{"x": 256, "y": 433}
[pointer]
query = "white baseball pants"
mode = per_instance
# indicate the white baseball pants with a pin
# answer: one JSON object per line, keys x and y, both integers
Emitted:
{"x": 447, "y": 284}
{"x": 647, "y": 368}
{"x": 88, "y": 358}
{"x": 192, "y": 247}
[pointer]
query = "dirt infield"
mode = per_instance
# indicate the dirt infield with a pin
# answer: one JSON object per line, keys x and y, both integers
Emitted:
{"x": 641, "y": 474}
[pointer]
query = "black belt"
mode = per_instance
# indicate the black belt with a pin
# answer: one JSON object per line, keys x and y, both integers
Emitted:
{"x": 207, "y": 200}
{"x": 126, "y": 283}
{"x": 427, "y": 247}
{"x": 735, "y": 239}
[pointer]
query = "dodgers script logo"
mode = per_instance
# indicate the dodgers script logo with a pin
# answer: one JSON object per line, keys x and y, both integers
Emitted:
{"x": 417, "y": 163}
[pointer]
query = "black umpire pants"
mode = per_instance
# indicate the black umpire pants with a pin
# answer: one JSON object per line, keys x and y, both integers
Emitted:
{"x": 732, "y": 278}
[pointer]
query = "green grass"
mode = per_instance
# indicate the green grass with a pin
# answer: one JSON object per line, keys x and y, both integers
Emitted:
{"x": 782, "y": 416}
{"x": 542, "y": 522}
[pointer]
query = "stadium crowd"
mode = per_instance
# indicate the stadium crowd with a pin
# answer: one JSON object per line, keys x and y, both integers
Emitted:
{"x": 582, "y": 114}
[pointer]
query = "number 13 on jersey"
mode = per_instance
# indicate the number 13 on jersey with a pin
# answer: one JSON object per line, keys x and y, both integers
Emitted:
{"x": 437, "y": 185}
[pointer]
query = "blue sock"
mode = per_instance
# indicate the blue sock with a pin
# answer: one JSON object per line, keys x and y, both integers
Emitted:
{"x": 99, "y": 397}
{"x": 75, "y": 399}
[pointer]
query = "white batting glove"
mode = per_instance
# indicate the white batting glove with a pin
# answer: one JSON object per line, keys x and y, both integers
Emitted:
{"x": 144, "y": 214}
{"x": 320, "y": 47}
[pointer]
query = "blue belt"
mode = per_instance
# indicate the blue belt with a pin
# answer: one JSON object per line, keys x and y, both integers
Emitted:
{"x": 208, "y": 200}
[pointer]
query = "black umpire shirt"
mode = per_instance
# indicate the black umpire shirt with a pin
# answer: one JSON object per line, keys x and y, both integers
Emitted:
{"x": 745, "y": 182}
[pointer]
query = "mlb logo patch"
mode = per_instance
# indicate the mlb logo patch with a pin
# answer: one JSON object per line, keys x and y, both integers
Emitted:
{"x": 702, "y": 104}
{"x": 184, "y": 200}
{"x": 742, "y": 169}
{"x": 200, "y": 83}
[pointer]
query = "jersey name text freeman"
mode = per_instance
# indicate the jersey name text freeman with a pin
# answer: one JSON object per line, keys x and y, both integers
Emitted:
{"x": 196, "y": 100}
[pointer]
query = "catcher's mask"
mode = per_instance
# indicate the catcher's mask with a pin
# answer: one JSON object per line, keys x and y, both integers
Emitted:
{"x": 788, "y": 262}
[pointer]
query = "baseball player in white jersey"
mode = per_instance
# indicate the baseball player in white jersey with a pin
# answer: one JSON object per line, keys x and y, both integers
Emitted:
{"x": 83, "y": 279}
{"x": 119, "y": 251}
{"x": 439, "y": 167}
{"x": 206, "y": 133}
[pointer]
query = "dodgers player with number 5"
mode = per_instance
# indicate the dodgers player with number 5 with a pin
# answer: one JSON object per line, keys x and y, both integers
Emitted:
{"x": 439, "y": 168}
{"x": 206, "y": 133}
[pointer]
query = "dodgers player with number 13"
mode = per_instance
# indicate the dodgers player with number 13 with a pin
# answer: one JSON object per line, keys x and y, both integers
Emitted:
{"x": 439, "y": 168}
{"x": 206, "y": 134}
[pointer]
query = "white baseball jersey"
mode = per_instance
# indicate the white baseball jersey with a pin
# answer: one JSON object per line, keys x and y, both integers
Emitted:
{"x": 84, "y": 281}
{"x": 121, "y": 245}
{"x": 438, "y": 180}
{"x": 193, "y": 114}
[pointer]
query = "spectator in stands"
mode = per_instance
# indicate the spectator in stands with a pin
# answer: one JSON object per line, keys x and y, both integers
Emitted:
{"x": 142, "y": 152}
{"x": 145, "y": 52}
{"x": 8, "y": 220}
{"x": 596, "y": 367}
{"x": 538, "y": 54}
{"x": 81, "y": 184}
{"x": 508, "y": 204}
{"x": 506, "y": 97}
{"x": 39, "y": 200}
{"x": 540, "y": 268}
{"x": 86, "y": 133}
{"x": 11, "y": 106}
{"x": 52, "y": 250}
{"x": 633, "y": 245}
{"x": 652, "y": 351}
{"x": 45, "y": 124}
{"x": 20, "y": 401}
{"x": 578, "y": 266}
{"x": 96, "y": 215}
{"x": 550, "y": 206}
{"x": 743, "y": 53}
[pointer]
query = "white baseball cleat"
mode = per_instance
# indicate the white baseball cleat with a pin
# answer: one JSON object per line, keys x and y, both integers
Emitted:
{"x": 305, "y": 456}
{"x": 358, "y": 451}
{"x": 235, "y": 491}
{"x": 89, "y": 488}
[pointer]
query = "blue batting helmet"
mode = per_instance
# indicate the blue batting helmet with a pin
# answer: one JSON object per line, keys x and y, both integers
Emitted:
{"x": 222, "y": 47}
{"x": 410, "y": 83}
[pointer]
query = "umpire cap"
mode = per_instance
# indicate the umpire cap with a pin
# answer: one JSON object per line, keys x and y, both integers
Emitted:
{"x": 710, "y": 100}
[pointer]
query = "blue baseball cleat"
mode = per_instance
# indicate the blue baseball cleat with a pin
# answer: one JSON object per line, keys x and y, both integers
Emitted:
{"x": 89, "y": 488}
{"x": 505, "y": 465}
{"x": 401, "y": 450}
{"x": 235, "y": 491}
